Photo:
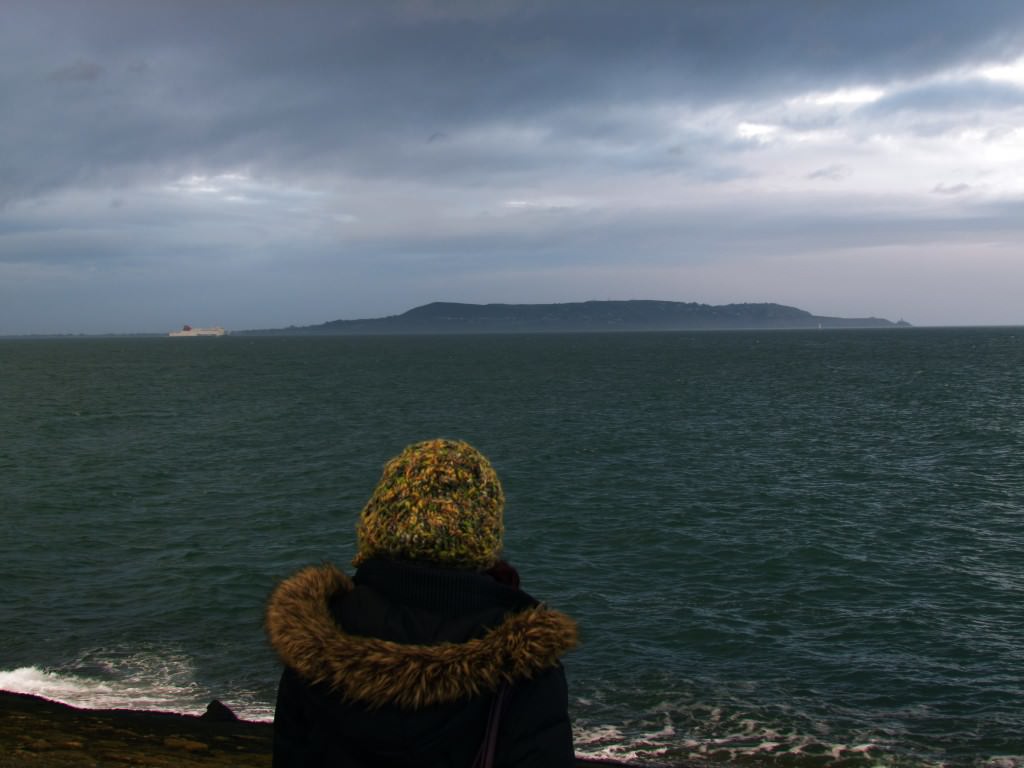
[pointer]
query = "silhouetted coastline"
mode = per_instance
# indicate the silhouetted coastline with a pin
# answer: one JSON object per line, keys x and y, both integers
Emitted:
{"x": 581, "y": 317}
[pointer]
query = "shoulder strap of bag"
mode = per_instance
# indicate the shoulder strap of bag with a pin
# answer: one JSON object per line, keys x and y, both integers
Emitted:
{"x": 485, "y": 755}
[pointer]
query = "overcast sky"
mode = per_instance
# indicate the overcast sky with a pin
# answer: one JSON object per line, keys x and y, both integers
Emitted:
{"x": 259, "y": 164}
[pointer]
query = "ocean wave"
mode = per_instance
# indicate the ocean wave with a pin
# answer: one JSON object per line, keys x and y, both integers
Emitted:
{"x": 685, "y": 732}
{"x": 691, "y": 734}
{"x": 663, "y": 736}
{"x": 140, "y": 681}
{"x": 754, "y": 745}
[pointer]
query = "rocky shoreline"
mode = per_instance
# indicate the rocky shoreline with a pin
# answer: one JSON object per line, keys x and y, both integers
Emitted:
{"x": 38, "y": 733}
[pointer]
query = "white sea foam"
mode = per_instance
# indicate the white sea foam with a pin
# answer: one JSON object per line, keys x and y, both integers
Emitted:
{"x": 140, "y": 681}
{"x": 666, "y": 732}
{"x": 51, "y": 685}
{"x": 596, "y": 735}
{"x": 700, "y": 733}
{"x": 609, "y": 742}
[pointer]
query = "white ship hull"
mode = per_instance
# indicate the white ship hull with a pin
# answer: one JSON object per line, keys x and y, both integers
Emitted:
{"x": 190, "y": 331}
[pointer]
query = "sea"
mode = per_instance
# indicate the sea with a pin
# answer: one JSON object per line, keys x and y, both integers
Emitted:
{"x": 796, "y": 548}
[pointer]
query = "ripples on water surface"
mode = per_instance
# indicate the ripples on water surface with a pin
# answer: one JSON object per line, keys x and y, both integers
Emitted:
{"x": 793, "y": 547}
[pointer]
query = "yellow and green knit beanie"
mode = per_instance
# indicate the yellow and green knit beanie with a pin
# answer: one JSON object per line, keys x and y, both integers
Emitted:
{"x": 438, "y": 501}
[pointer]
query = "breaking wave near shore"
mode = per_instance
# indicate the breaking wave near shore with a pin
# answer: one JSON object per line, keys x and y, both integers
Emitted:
{"x": 141, "y": 681}
{"x": 672, "y": 732}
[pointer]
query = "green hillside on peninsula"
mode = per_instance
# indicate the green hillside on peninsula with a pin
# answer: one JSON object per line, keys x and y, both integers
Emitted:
{"x": 586, "y": 316}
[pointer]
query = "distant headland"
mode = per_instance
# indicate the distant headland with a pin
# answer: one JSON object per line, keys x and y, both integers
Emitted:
{"x": 586, "y": 316}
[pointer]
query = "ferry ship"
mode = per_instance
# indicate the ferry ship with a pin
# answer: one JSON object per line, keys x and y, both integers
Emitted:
{"x": 188, "y": 330}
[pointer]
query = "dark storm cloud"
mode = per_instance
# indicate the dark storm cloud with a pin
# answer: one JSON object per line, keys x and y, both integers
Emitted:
{"x": 80, "y": 70}
{"x": 374, "y": 146}
{"x": 952, "y": 97}
{"x": 836, "y": 172}
{"x": 954, "y": 189}
{"x": 130, "y": 87}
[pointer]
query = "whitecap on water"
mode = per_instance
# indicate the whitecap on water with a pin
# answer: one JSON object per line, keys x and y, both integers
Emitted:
{"x": 142, "y": 681}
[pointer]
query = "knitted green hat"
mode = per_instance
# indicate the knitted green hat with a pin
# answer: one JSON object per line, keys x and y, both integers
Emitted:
{"x": 438, "y": 501}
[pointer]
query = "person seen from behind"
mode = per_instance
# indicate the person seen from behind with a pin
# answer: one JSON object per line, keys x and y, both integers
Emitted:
{"x": 430, "y": 654}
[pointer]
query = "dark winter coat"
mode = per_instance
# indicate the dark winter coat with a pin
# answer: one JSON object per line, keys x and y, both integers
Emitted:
{"x": 399, "y": 666}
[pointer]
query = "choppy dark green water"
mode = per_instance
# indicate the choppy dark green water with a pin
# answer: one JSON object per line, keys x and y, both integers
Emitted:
{"x": 796, "y": 547}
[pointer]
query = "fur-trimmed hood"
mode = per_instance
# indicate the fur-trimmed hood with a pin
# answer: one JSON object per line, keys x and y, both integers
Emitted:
{"x": 303, "y": 632}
